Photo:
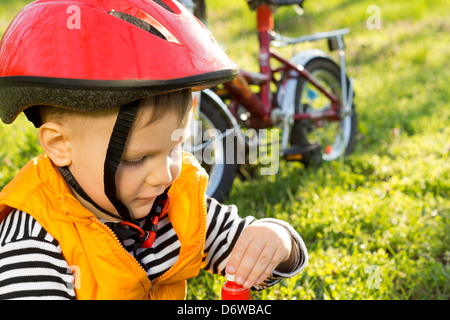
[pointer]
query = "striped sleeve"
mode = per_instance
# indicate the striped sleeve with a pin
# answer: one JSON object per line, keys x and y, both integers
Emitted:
{"x": 32, "y": 266}
{"x": 224, "y": 227}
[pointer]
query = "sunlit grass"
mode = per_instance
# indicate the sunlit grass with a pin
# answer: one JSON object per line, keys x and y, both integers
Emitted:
{"x": 376, "y": 224}
{"x": 384, "y": 211}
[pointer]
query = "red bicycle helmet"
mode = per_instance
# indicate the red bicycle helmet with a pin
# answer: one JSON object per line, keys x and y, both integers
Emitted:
{"x": 95, "y": 54}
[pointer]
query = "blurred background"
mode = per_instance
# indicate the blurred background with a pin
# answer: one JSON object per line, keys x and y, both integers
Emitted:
{"x": 376, "y": 223}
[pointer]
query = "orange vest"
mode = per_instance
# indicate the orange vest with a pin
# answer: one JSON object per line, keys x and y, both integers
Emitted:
{"x": 103, "y": 268}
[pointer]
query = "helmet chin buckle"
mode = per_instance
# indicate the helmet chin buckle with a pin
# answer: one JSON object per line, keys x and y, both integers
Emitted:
{"x": 147, "y": 234}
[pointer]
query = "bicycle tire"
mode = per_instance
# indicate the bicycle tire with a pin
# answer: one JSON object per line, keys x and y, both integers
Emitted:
{"x": 221, "y": 173}
{"x": 328, "y": 73}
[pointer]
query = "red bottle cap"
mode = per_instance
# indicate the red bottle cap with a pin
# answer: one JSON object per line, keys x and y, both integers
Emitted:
{"x": 233, "y": 291}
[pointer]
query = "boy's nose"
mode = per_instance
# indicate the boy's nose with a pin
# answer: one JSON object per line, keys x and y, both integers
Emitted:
{"x": 161, "y": 176}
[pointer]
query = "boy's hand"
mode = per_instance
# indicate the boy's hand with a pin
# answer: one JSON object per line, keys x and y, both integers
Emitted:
{"x": 259, "y": 250}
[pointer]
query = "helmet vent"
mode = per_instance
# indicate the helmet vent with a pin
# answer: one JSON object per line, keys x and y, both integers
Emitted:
{"x": 138, "y": 23}
{"x": 162, "y": 4}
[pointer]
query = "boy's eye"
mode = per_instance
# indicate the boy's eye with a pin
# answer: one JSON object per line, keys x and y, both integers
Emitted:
{"x": 141, "y": 161}
{"x": 135, "y": 163}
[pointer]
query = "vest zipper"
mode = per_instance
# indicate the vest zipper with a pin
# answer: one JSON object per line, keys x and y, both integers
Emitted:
{"x": 111, "y": 233}
{"x": 197, "y": 247}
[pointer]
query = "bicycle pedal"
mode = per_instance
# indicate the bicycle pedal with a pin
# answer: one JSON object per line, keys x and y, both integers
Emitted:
{"x": 305, "y": 153}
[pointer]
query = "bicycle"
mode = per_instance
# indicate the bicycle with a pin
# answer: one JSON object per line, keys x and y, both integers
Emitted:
{"x": 312, "y": 104}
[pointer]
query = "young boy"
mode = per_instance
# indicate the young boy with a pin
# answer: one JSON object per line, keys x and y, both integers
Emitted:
{"x": 114, "y": 209}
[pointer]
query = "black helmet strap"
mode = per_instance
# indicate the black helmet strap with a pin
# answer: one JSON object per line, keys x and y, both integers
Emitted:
{"x": 116, "y": 146}
{"x": 117, "y": 142}
{"x": 70, "y": 179}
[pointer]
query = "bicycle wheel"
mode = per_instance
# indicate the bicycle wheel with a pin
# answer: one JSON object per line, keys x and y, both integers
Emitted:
{"x": 336, "y": 137}
{"x": 209, "y": 146}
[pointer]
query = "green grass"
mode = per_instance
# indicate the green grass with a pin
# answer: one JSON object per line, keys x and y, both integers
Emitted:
{"x": 387, "y": 204}
{"x": 384, "y": 210}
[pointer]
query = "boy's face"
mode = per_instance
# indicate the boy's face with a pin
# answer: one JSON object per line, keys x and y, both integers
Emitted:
{"x": 151, "y": 161}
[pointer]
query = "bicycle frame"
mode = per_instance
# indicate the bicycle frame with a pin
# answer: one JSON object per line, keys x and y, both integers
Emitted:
{"x": 261, "y": 105}
{"x": 269, "y": 108}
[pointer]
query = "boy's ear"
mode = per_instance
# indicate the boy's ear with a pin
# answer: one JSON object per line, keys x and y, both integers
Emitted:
{"x": 55, "y": 143}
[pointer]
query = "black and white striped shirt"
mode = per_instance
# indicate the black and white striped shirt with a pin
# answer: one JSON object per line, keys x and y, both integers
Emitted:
{"x": 32, "y": 265}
